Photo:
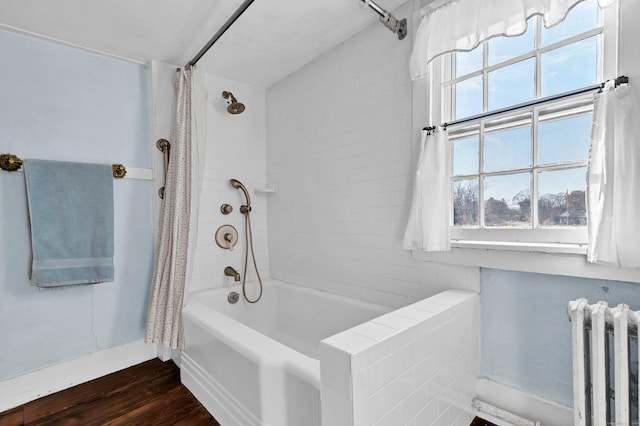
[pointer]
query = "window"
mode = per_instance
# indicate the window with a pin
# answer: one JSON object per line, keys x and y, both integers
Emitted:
{"x": 519, "y": 174}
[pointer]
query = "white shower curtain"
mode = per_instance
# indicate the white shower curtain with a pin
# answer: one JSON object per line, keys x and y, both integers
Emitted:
{"x": 178, "y": 221}
{"x": 428, "y": 225}
{"x": 613, "y": 179}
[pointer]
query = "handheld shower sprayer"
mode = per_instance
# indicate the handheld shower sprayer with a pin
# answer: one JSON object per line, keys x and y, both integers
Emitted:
{"x": 244, "y": 209}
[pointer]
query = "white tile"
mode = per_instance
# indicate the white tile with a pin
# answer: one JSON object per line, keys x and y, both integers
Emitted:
{"x": 335, "y": 370}
{"x": 411, "y": 422}
{"x": 336, "y": 410}
{"x": 428, "y": 415}
{"x": 373, "y": 330}
{"x": 412, "y": 313}
{"x": 415, "y": 402}
{"x": 399, "y": 389}
{"x": 349, "y": 342}
{"x": 391, "y": 418}
{"x": 430, "y": 305}
{"x": 395, "y": 321}
{"x": 451, "y": 297}
{"x": 382, "y": 372}
{"x": 425, "y": 370}
{"x": 369, "y": 409}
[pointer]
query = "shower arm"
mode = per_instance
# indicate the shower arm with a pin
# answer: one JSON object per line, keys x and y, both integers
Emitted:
{"x": 396, "y": 26}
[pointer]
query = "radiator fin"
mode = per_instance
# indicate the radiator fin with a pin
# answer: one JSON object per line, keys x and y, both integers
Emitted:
{"x": 600, "y": 398}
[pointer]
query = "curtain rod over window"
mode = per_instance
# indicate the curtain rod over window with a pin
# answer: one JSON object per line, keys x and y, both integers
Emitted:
{"x": 623, "y": 79}
{"x": 239, "y": 11}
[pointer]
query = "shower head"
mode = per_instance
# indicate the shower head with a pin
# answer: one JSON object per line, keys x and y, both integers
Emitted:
{"x": 238, "y": 185}
{"x": 234, "y": 106}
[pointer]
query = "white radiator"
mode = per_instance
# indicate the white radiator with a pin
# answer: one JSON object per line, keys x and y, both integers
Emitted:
{"x": 591, "y": 361}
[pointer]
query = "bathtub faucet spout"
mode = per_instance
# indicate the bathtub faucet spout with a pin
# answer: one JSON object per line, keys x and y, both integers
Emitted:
{"x": 232, "y": 273}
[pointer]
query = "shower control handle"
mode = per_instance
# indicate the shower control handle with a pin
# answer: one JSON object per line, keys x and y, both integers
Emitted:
{"x": 226, "y": 237}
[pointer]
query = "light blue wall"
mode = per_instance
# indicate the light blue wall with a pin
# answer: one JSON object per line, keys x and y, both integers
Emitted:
{"x": 61, "y": 103}
{"x": 525, "y": 331}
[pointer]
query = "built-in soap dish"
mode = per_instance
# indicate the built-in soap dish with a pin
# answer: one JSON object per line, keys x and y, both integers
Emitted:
{"x": 267, "y": 189}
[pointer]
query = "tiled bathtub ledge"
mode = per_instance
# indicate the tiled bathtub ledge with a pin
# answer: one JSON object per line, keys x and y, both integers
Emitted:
{"x": 415, "y": 365}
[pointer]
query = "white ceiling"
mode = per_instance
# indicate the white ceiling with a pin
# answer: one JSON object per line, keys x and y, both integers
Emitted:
{"x": 270, "y": 40}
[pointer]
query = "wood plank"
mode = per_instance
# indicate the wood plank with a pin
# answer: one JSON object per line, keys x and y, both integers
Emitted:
{"x": 148, "y": 393}
{"x": 176, "y": 405}
{"x": 116, "y": 402}
{"x": 93, "y": 390}
{"x": 13, "y": 417}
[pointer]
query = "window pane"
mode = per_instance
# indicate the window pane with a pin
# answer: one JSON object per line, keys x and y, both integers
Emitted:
{"x": 466, "y": 156}
{"x": 504, "y": 48}
{"x": 582, "y": 18}
{"x": 512, "y": 85}
{"x": 468, "y": 62}
{"x": 507, "y": 200}
{"x": 465, "y": 202}
{"x": 562, "y": 197}
{"x": 469, "y": 97}
{"x": 561, "y": 141}
{"x": 509, "y": 149}
{"x": 570, "y": 67}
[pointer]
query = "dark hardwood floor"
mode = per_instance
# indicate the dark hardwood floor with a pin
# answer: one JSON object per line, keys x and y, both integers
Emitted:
{"x": 146, "y": 394}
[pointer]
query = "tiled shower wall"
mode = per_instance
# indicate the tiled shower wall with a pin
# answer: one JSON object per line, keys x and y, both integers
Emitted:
{"x": 235, "y": 148}
{"x": 340, "y": 152}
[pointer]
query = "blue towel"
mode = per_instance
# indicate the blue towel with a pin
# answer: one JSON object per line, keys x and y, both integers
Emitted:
{"x": 71, "y": 215}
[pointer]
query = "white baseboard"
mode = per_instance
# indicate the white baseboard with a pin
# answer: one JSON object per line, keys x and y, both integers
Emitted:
{"x": 28, "y": 387}
{"x": 523, "y": 404}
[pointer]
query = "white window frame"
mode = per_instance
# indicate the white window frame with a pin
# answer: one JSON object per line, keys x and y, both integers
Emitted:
{"x": 440, "y": 107}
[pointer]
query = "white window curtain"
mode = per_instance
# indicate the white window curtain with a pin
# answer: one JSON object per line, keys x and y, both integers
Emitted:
{"x": 613, "y": 179}
{"x": 460, "y": 25}
{"x": 429, "y": 221}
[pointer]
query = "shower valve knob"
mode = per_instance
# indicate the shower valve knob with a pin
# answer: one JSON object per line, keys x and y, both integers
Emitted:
{"x": 226, "y": 237}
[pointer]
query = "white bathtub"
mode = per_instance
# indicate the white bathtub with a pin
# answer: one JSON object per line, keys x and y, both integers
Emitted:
{"x": 258, "y": 364}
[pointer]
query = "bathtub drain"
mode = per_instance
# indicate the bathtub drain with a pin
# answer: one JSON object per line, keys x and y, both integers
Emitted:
{"x": 233, "y": 297}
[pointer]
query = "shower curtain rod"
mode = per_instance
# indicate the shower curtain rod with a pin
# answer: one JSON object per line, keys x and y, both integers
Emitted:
{"x": 239, "y": 11}
{"x": 389, "y": 21}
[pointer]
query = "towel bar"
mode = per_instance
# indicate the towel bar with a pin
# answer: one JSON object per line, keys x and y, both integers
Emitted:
{"x": 11, "y": 163}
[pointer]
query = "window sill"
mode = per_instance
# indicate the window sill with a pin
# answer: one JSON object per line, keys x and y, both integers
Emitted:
{"x": 555, "y": 259}
{"x": 579, "y": 249}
